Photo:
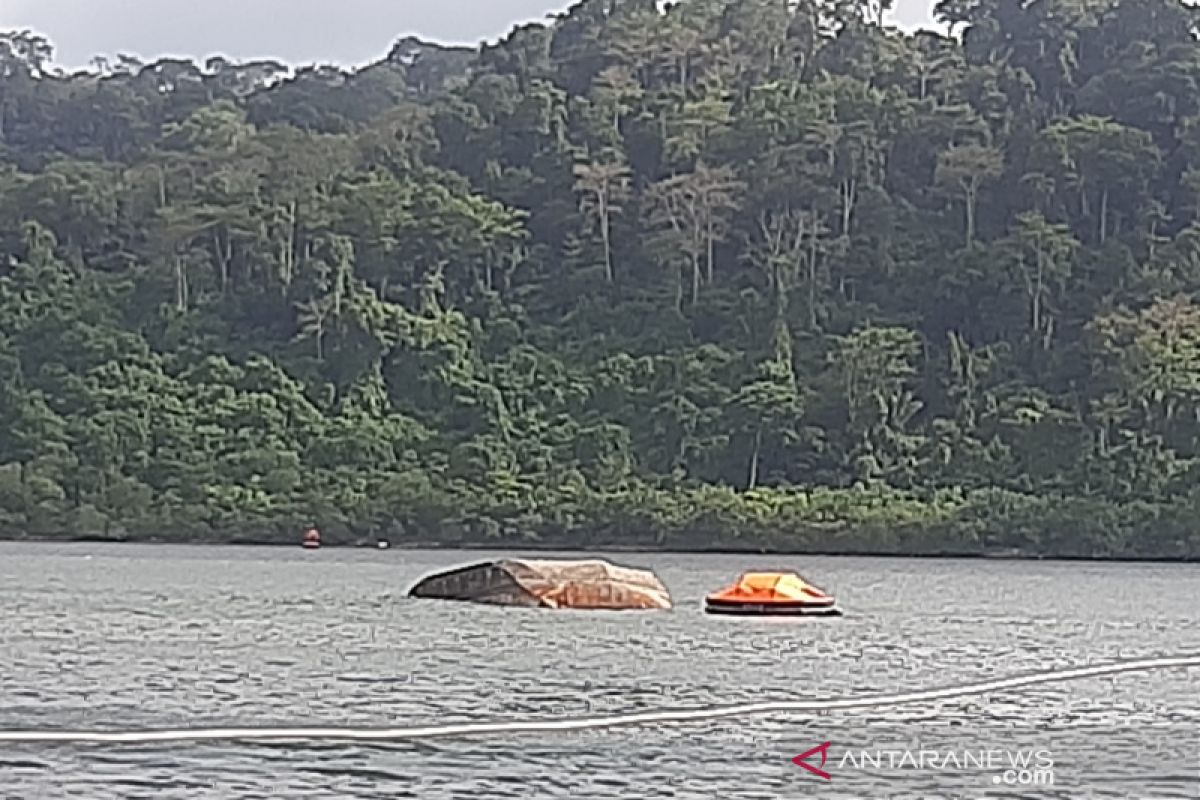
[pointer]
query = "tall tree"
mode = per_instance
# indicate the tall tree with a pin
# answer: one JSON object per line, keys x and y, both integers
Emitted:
{"x": 604, "y": 186}
{"x": 965, "y": 170}
{"x": 693, "y": 208}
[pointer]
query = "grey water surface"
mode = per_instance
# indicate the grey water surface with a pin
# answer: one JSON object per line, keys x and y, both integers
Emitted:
{"x": 119, "y": 637}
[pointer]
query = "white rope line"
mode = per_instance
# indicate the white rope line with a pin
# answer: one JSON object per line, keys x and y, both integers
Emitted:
{"x": 589, "y": 723}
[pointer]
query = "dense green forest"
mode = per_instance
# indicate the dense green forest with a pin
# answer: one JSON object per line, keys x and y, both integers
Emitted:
{"x": 739, "y": 273}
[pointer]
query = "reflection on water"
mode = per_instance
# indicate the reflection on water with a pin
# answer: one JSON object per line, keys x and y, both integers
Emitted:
{"x": 160, "y": 637}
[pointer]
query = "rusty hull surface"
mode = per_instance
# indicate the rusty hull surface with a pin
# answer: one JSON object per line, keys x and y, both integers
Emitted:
{"x": 592, "y": 584}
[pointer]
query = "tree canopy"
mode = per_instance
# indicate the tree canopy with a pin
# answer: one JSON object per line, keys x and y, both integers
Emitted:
{"x": 766, "y": 272}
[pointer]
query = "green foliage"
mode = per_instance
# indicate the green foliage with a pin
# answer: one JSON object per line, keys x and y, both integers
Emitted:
{"x": 746, "y": 272}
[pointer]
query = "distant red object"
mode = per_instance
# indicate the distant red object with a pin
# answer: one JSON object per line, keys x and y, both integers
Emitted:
{"x": 312, "y": 539}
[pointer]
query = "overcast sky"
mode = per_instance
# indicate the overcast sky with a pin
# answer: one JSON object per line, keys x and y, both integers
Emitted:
{"x": 297, "y": 31}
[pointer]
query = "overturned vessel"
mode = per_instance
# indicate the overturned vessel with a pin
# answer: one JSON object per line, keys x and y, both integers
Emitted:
{"x": 592, "y": 584}
{"x": 772, "y": 594}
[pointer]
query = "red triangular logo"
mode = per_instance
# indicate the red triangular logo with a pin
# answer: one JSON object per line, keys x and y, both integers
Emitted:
{"x": 802, "y": 760}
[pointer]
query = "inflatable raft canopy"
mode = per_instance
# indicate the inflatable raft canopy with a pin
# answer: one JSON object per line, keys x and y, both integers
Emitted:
{"x": 591, "y": 584}
{"x": 772, "y": 593}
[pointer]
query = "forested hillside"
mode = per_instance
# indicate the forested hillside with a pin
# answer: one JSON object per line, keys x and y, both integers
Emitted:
{"x": 760, "y": 273}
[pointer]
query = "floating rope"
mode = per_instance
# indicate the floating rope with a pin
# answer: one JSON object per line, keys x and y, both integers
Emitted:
{"x": 472, "y": 729}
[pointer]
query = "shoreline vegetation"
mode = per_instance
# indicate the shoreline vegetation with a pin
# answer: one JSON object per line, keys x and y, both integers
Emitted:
{"x": 881, "y": 522}
{"x": 540, "y": 548}
{"x": 719, "y": 274}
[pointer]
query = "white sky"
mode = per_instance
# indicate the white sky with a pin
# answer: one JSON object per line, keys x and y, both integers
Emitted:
{"x": 296, "y": 31}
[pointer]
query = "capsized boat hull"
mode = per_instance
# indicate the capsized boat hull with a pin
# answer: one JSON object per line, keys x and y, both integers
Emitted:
{"x": 586, "y": 585}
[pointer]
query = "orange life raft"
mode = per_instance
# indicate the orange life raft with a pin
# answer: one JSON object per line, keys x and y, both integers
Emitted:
{"x": 772, "y": 593}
